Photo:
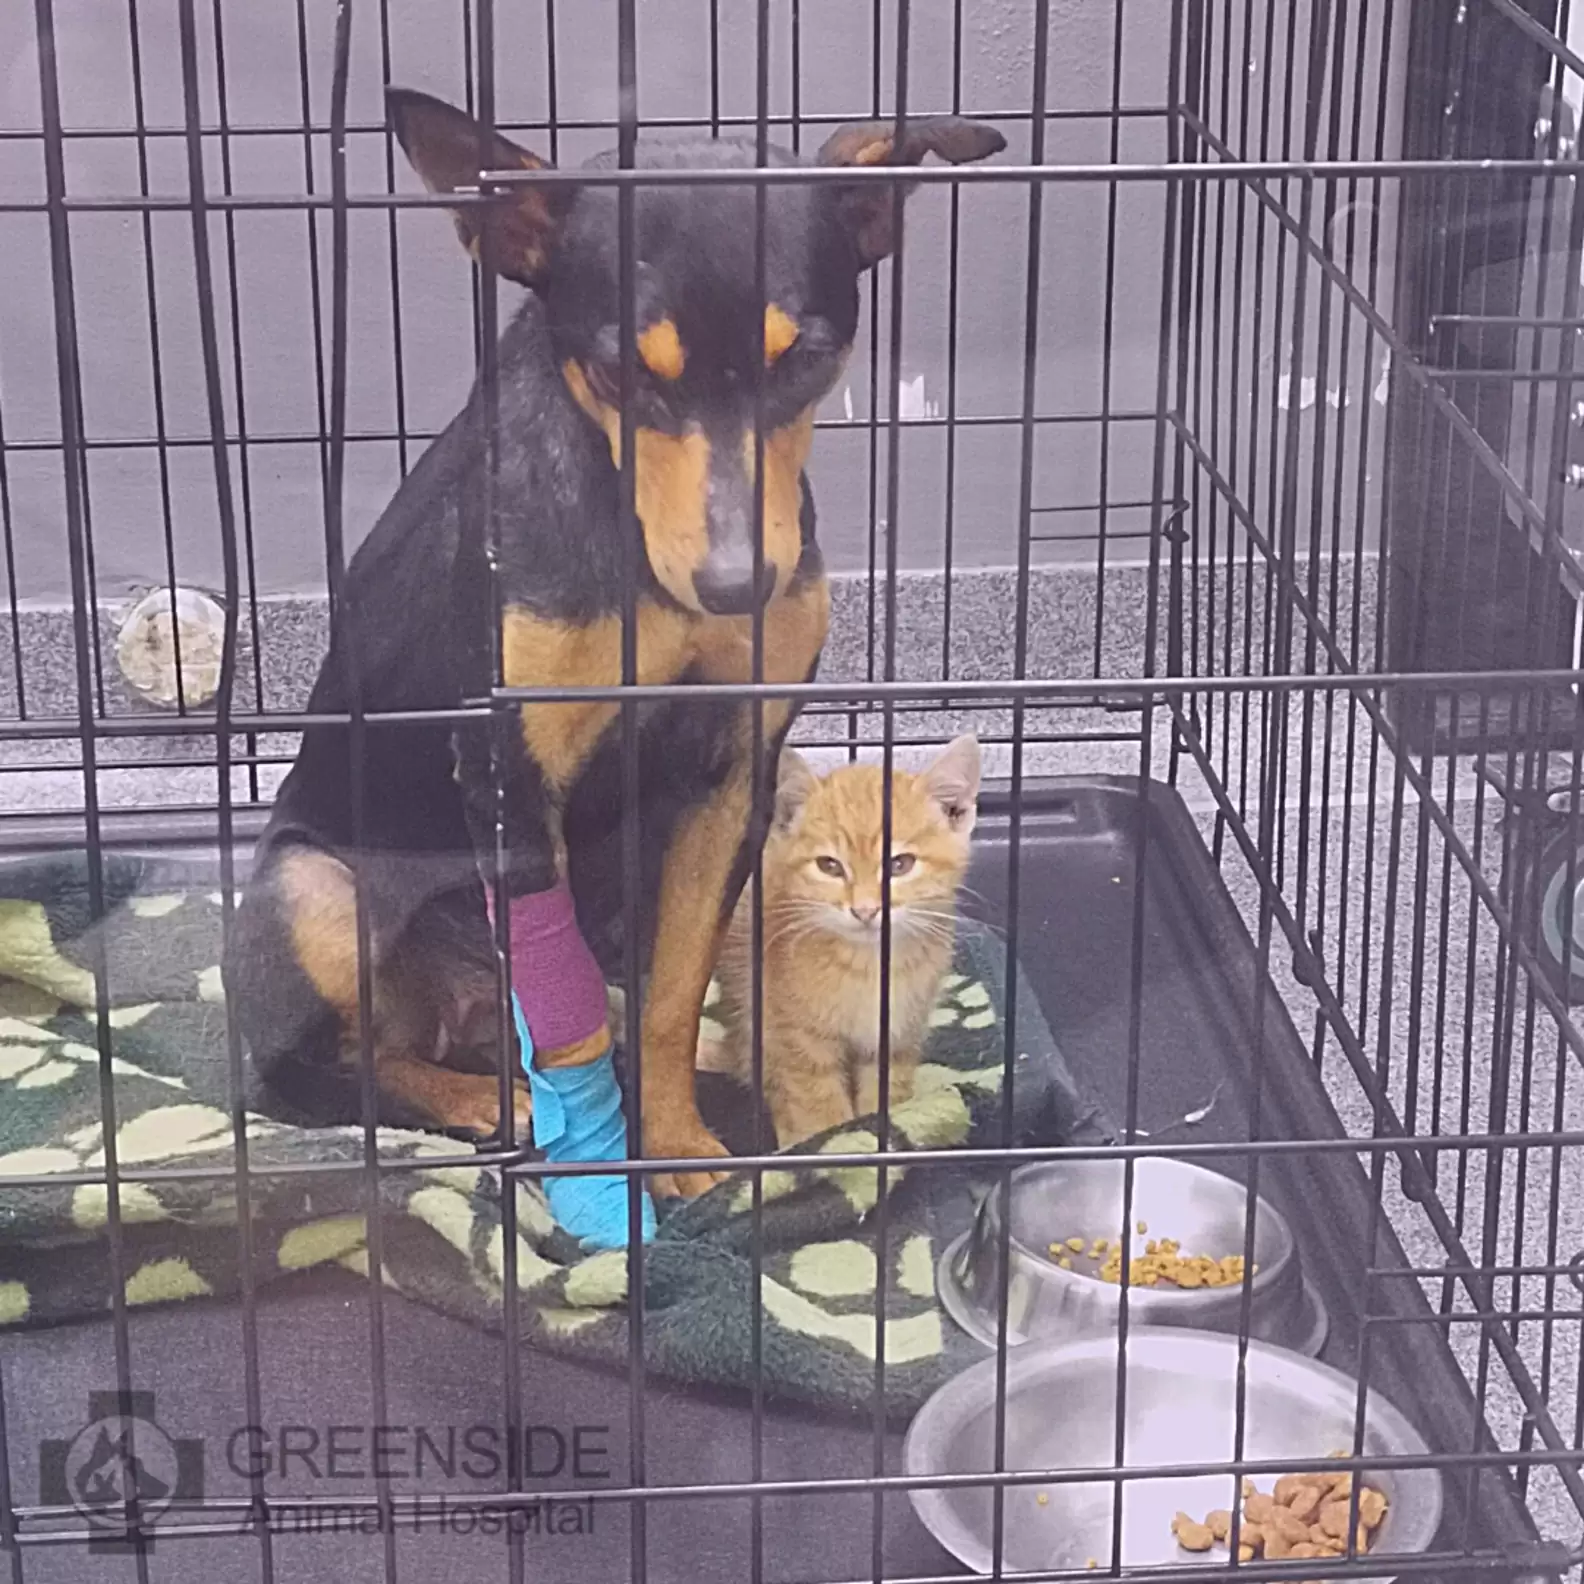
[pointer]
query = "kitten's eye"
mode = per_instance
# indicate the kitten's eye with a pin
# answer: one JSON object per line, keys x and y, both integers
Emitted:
{"x": 901, "y": 863}
{"x": 830, "y": 866}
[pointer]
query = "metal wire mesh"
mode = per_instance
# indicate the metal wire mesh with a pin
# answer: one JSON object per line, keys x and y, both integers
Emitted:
{"x": 1271, "y": 514}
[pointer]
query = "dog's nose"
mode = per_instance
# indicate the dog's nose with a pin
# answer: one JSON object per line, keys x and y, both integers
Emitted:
{"x": 866, "y": 913}
{"x": 725, "y": 585}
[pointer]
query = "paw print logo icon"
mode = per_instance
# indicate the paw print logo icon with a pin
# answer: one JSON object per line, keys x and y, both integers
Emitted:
{"x": 121, "y": 1472}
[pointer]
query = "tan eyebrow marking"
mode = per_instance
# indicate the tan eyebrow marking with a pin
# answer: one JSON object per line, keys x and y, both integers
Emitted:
{"x": 661, "y": 349}
{"x": 780, "y": 331}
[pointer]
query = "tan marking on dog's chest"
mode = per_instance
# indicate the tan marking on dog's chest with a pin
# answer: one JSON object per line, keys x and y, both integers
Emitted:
{"x": 795, "y": 627}
{"x": 780, "y": 331}
{"x": 539, "y": 651}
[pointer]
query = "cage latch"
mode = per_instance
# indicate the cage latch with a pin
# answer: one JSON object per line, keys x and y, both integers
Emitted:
{"x": 1542, "y": 1562}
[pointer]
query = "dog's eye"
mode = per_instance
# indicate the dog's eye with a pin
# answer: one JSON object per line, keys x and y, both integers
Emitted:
{"x": 803, "y": 374}
{"x": 604, "y": 381}
{"x": 605, "y": 376}
{"x": 830, "y": 866}
{"x": 901, "y": 863}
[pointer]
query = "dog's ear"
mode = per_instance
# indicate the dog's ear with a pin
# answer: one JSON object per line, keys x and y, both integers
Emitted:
{"x": 514, "y": 235}
{"x": 867, "y": 210}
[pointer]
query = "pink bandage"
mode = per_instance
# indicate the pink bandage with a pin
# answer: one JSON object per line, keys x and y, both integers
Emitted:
{"x": 556, "y": 978}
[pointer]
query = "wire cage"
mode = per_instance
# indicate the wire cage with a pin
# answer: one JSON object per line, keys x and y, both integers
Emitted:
{"x": 1210, "y": 453}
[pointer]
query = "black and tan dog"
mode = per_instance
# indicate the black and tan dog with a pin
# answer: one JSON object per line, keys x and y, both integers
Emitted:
{"x": 416, "y": 610}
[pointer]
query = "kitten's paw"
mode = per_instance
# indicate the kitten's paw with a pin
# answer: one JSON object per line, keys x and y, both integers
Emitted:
{"x": 868, "y": 1087}
{"x": 818, "y": 1103}
{"x": 678, "y": 1139}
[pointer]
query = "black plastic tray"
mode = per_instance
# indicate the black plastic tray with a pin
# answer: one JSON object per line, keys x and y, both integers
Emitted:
{"x": 1082, "y": 844}
{"x": 1204, "y": 1030}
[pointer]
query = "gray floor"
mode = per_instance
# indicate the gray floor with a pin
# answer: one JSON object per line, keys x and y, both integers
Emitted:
{"x": 1428, "y": 1039}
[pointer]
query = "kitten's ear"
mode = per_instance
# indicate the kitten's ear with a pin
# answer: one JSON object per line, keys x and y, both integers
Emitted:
{"x": 953, "y": 781}
{"x": 794, "y": 781}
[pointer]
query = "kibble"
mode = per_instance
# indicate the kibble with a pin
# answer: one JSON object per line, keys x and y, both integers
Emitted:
{"x": 1161, "y": 1261}
{"x": 1192, "y": 1536}
{"x": 1305, "y": 1517}
{"x": 1283, "y": 1522}
{"x": 1333, "y": 1519}
{"x": 1306, "y": 1503}
{"x": 1259, "y": 1508}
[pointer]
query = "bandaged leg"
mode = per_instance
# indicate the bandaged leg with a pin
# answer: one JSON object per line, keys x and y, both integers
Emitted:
{"x": 560, "y": 1008}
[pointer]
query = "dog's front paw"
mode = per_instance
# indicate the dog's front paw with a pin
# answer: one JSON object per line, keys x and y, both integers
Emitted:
{"x": 470, "y": 1103}
{"x": 683, "y": 1138}
{"x": 486, "y": 1123}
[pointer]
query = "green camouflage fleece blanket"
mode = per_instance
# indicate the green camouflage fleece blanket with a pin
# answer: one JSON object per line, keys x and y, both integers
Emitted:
{"x": 442, "y": 1226}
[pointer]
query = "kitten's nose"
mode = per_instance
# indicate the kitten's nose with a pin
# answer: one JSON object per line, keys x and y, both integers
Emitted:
{"x": 865, "y": 914}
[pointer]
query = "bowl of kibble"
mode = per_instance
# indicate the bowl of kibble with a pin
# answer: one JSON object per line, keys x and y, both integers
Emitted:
{"x": 1072, "y": 1230}
{"x": 1325, "y": 1502}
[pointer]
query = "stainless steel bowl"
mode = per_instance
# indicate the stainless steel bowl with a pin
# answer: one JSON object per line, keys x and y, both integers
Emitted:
{"x": 1204, "y": 1211}
{"x": 1181, "y": 1397}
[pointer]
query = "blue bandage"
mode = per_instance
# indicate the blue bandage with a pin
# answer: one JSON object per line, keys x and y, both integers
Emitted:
{"x": 577, "y": 1116}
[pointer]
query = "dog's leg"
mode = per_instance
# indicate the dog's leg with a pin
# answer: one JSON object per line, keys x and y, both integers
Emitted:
{"x": 533, "y": 863}
{"x": 462, "y": 1102}
{"x": 557, "y": 980}
{"x": 554, "y": 974}
{"x": 705, "y": 868}
{"x": 316, "y": 892}
{"x": 695, "y": 902}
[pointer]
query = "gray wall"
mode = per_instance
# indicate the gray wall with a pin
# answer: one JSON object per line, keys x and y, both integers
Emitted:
{"x": 282, "y": 364}
{"x": 279, "y": 383}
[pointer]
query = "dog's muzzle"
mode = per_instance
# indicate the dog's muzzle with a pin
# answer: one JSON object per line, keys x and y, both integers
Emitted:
{"x": 725, "y": 584}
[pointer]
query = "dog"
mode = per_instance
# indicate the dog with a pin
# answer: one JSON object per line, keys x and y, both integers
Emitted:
{"x": 415, "y": 620}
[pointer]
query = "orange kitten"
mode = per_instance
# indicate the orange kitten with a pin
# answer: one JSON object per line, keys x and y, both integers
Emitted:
{"x": 822, "y": 906}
